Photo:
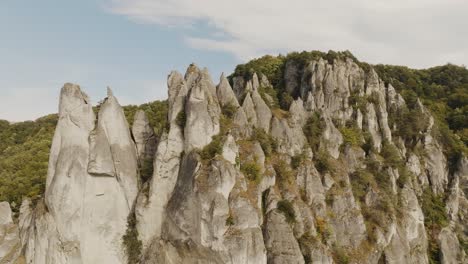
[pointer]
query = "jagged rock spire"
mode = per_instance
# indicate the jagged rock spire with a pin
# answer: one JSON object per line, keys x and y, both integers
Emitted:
{"x": 225, "y": 93}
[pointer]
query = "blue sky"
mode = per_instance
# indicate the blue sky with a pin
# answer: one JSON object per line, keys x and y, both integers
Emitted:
{"x": 49, "y": 42}
{"x": 131, "y": 45}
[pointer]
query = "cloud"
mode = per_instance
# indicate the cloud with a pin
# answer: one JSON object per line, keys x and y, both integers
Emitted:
{"x": 418, "y": 33}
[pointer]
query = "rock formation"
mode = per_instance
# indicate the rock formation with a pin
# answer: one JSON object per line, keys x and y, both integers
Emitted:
{"x": 235, "y": 179}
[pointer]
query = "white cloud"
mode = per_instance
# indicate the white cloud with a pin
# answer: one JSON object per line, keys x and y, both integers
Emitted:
{"x": 418, "y": 33}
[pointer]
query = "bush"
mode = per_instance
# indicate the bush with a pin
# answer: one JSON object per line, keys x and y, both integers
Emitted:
{"x": 267, "y": 142}
{"x": 251, "y": 170}
{"x": 230, "y": 220}
{"x": 287, "y": 209}
{"x": 361, "y": 180}
{"x": 285, "y": 100}
{"x": 340, "y": 256}
{"x": 368, "y": 145}
{"x": 270, "y": 92}
{"x": 214, "y": 148}
{"x": 433, "y": 207}
{"x": 283, "y": 171}
{"x": 297, "y": 160}
{"x": 391, "y": 155}
{"x": 323, "y": 229}
{"x": 405, "y": 176}
{"x": 351, "y": 135}
{"x": 146, "y": 170}
{"x": 181, "y": 119}
{"x": 229, "y": 110}
{"x": 313, "y": 130}
{"x": 131, "y": 243}
{"x": 323, "y": 162}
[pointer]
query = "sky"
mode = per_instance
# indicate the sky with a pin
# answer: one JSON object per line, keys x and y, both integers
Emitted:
{"x": 132, "y": 45}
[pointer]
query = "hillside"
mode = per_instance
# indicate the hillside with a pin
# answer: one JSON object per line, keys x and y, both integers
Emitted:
{"x": 310, "y": 157}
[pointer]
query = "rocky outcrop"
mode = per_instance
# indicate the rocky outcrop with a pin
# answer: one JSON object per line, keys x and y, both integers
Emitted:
{"x": 91, "y": 187}
{"x": 145, "y": 139}
{"x": 10, "y": 244}
{"x": 235, "y": 179}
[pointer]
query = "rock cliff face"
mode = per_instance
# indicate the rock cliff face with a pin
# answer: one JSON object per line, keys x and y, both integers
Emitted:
{"x": 237, "y": 180}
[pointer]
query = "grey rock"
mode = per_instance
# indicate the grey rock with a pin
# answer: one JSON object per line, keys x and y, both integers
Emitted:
{"x": 10, "y": 244}
{"x": 145, "y": 139}
{"x": 280, "y": 243}
{"x": 225, "y": 93}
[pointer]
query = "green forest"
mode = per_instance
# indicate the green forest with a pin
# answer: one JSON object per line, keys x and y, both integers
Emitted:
{"x": 24, "y": 146}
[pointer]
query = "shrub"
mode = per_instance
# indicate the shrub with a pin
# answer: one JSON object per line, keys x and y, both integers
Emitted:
{"x": 287, "y": 209}
{"x": 323, "y": 162}
{"x": 360, "y": 181}
{"x": 297, "y": 160}
{"x": 340, "y": 256}
{"x": 229, "y": 110}
{"x": 405, "y": 176}
{"x": 131, "y": 243}
{"x": 270, "y": 92}
{"x": 285, "y": 100}
{"x": 251, "y": 170}
{"x": 214, "y": 148}
{"x": 390, "y": 154}
{"x": 357, "y": 101}
{"x": 351, "y": 135}
{"x": 368, "y": 145}
{"x": 267, "y": 142}
{"x": 283, "y": 171}
{"x": 433, "y": 207}
{"x": 230, "y": 220}
{"x": 146, "y": 170}
{"x": 313, "y": 130}
{"x": 181, "y": 119}
{"x": 323, "y": 229}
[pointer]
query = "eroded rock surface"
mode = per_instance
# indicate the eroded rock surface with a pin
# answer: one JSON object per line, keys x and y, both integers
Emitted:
{"x": 236, "y": 179}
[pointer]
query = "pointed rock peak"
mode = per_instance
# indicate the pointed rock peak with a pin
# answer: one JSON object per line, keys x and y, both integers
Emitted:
{"x": 192, "y": 68}
{"x": 223, "y": 81}
{"x": 109, "y": 92}
{"x": 5, "y": 213}
{"x": 255, "y": 82}
{"x": 110, "y": 99}
{"x": 174, "y": 84}
{"x": 174, "y": 75}
{"x": 140, "y": 115}
{"x": 248, "y": 86}
{"x": 71, "y": 98}
{"x": 264, "y": 80}
{"x": 247, "y": 99}
{"x": 225, "y": 93}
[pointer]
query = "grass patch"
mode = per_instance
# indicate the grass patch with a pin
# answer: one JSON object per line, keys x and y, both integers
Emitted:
{"x": 298, "y": 160}
{"x": 351, "y": 134}
{"x": 283, "y": 171}
{"x": 324, "y": 231}
{"x": 251, "y": 171}
{"x": 340, "y": 256}
{"x": 214, "y": 148}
